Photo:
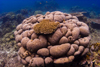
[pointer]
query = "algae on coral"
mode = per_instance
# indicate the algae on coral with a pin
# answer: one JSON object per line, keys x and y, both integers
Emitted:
{"x": 45, "y": 27}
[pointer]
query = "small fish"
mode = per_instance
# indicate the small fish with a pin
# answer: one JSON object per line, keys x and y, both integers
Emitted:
{"x": 40, "y": 3}
{"x": 46, "y": 1}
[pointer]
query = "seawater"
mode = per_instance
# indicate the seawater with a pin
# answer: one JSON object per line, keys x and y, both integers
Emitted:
{"x": 14, "y": 5}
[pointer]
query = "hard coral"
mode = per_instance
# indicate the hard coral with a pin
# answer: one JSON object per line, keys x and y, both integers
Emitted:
{"x": 45, "y": 27}
{"x": 55, "y": 41}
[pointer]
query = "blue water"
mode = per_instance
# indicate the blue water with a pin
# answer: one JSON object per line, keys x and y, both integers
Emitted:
{"x": 14, "y": 5}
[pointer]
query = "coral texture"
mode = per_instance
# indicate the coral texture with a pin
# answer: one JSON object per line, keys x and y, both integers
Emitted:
{"x": 45, "y": 26}
{"x": 55, "y": 46}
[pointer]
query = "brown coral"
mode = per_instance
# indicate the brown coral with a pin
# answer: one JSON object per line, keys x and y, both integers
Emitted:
{"x": 45, "y": 27}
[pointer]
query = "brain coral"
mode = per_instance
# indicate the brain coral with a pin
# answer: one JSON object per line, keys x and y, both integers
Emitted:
{"x": 51, "y": 39}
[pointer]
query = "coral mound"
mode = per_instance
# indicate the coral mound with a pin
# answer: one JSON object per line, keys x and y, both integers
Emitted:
{"x": 51, "y": 39}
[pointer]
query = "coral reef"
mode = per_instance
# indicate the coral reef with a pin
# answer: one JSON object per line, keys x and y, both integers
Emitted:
{"x": 9, "y": 59}
{"x": 8, "y": 51}
{"x": 9, "y": 22}
{"x": 8, "y": 45}
{"x": 7, "y": 42}
{"x": 93, "y": 57}
{"x": 69, "y": 40}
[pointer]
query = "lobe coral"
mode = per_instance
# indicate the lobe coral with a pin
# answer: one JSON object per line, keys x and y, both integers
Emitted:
{"x": 68, "y": 39}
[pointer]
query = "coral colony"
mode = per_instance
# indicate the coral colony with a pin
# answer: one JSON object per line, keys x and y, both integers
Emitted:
{"x": 51, "y": 40}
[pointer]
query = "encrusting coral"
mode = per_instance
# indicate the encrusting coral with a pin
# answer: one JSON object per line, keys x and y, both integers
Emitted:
{"x": 45, "y": 27}
{"x": 51, "y": 40}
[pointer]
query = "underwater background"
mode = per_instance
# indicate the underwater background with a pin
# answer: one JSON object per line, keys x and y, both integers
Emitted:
{"x": 15, "y": 5}
{"x": 13, "y": 12}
